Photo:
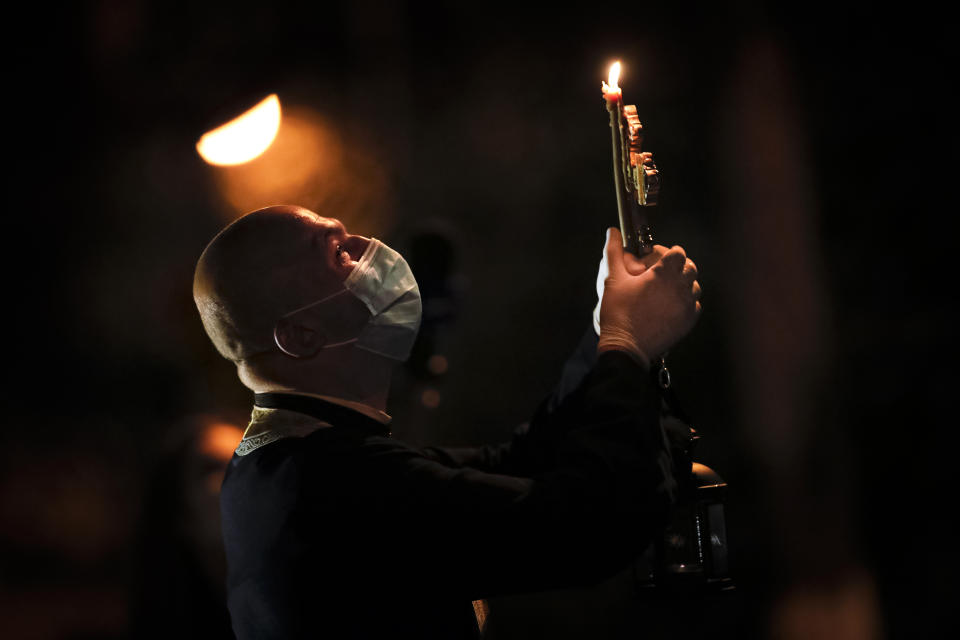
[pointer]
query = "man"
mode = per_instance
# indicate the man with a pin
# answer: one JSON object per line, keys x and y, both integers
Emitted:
{"x": 334, "y": 529}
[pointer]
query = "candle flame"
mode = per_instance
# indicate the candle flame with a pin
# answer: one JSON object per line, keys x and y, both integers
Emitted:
{"x": 243, "y": 138}
{"x": 614, "y": 77}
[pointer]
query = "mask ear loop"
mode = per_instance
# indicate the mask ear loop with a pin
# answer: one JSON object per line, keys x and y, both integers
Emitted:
{"x": 276, "y": 327}
{"x": 339, "y": 344}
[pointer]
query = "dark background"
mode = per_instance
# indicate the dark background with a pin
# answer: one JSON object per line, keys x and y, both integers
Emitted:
{"x": 803, "y": 153}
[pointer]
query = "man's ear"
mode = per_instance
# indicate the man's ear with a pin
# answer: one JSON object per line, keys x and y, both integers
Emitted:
{"x": 297, "y": 339}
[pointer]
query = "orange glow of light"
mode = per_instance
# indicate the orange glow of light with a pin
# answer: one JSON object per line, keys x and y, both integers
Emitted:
{"x": 314, "y": 164}
{"x": 243, "y": 138}
{"x": 219, "y": 440}
{"x": 611, "y": 85}
{"x": 430, "y": 398}
{"x": 437, "y": 364}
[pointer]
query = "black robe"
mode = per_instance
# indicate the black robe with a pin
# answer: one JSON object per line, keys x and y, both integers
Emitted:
{"x": 348, "y": 533}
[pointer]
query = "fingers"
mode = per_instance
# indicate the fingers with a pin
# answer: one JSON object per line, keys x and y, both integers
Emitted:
{"x": 674, "y": 260}
{"x": 613, "y": 252}
{"x": 637, "y": 265}
{"x": 690, "y": 274}
{"x": 697, "y": 292}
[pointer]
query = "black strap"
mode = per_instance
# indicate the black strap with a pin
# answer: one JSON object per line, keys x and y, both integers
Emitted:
{"x": 329, "y": 412}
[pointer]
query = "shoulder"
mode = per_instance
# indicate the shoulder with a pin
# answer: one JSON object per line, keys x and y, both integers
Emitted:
{"x": 326, "y": 455}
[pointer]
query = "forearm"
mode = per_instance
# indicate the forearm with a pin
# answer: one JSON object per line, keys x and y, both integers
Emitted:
{"x": 609, "y": 490}
{"x": 535, "y": 447}
{"x": 532, "y": 448}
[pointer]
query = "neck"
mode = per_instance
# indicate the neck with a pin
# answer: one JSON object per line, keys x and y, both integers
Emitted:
{"x": 376, "y": 400}
{"x": 356, "y": 375}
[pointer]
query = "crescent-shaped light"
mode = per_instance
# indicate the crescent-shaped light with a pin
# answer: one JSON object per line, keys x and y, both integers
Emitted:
{"x": 243, "y": 138}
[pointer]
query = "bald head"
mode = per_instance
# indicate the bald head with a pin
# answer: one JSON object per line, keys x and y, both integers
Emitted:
{"x": 264, "y": 265}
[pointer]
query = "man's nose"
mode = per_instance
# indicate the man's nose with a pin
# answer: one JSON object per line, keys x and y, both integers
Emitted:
{"x": 356, "y": 245}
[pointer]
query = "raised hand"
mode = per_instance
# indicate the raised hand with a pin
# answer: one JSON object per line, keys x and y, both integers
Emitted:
{"x": 648, "y": 303}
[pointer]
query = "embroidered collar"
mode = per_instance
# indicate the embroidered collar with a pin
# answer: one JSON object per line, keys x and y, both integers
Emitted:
{"x": 296, "y": 415}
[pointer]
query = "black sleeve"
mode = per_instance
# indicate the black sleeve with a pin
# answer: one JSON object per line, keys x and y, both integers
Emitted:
{"x": 532, "y": 448}
{"x": 609, "y": 490}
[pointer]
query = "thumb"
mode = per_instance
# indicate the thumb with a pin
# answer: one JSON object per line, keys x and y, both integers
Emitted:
{"x": 613, "y": 252}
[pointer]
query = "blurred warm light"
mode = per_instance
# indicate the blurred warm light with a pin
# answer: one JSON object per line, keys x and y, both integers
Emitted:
{"x": 220, "y": 439}
{"x": 437, "y": 364}
{"x": 316, "y": 163}
{"x": 613, "y": 78}
{"x": 243, "y": 138}
{"x": 846, "y": 607}
{"x": 430, "y": 398}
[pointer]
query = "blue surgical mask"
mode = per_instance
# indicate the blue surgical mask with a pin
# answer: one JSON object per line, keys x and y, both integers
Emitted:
{"x": 384, "y": 282}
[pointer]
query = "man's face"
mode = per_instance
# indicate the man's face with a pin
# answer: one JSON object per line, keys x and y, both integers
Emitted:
{"x": 320, "y": 254}
{"x": 267, "y": 265}
{"x": 329, "y": 253}
{"x": 340, "y": 250}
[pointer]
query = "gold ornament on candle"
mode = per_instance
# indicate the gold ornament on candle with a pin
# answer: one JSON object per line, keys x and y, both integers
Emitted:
{"x": 635, "y": 176}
